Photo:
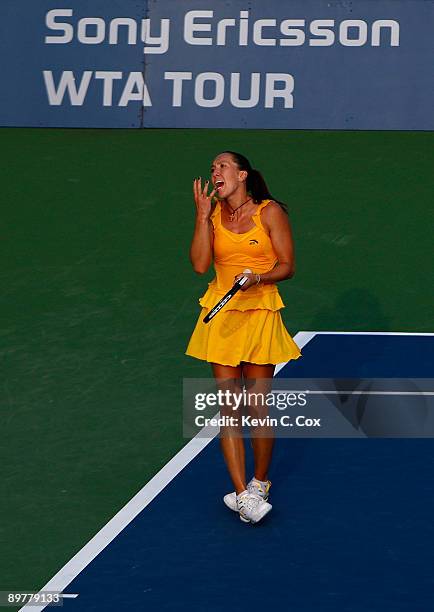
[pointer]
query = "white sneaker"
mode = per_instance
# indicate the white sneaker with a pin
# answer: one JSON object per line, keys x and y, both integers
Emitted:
{"x": 257, "y": 487}
{"x": 231, "y": 501}
{"x": 254, "y": 487}
{"x": 251, "y": 507}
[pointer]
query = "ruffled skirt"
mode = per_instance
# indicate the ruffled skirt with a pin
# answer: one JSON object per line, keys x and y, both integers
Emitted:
{"x": 232, "y": 336}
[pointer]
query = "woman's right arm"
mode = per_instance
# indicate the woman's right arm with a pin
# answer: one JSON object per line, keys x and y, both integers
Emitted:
{"x": 202, "y": 243}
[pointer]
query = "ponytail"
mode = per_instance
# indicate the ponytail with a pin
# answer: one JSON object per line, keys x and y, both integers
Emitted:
{"x": 255, "y": 184}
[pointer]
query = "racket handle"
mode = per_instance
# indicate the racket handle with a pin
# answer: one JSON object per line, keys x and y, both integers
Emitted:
{"x": 244, "y": 279}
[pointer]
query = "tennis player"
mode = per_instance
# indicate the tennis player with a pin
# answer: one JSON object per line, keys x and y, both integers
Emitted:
{"x": 240, "y": 226}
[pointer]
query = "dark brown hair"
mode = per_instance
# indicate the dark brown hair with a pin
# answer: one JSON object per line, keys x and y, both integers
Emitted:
{"x": 255, "y": 182}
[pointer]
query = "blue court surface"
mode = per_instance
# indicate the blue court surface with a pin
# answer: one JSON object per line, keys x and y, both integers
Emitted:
{"x": 351, "y": 528}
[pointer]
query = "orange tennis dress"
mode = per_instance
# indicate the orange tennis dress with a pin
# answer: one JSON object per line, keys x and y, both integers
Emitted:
{"x": 249, "y": 327}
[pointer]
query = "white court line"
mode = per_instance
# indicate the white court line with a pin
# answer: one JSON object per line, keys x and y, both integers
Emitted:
{"x": 136, "y": 504}
{"x": 368, "y": 333}
{"x": 301, "y": 339}
{"x": 308, "y": 335}
{"x": 144, "y": 497}
{"x": 126, "y": 514}
{"x": 343, "y": 392}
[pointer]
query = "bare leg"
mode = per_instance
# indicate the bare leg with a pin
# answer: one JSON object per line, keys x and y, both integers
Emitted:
{"x": 262, "y": 437}
{"x": 232, "y": 443}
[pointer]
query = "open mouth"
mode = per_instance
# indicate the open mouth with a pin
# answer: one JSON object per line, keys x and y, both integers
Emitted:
{"x": 219, "y": 185}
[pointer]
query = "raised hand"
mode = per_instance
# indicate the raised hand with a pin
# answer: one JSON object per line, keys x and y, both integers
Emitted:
{"x": 202, "y": 199}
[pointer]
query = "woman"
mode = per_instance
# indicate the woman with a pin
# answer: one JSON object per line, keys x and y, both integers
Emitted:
{"x": 246, "y": 229}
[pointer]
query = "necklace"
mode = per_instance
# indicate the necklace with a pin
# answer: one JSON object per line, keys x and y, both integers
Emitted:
{"x": 234, "y": 210}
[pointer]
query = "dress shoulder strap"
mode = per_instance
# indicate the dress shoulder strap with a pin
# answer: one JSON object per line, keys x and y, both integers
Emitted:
{"x": 216, "y": 215}
{"x": 257, "y": 214}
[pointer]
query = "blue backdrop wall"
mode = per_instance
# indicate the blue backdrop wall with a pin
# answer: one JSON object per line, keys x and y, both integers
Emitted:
{"x": 296, "y": 64}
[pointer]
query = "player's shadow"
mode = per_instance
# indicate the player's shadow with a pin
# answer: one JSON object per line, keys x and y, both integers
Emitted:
{"x": 356, "y": 309}
{"x": 375, "y": 416}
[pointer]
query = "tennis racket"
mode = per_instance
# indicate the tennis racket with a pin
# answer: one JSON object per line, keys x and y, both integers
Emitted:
{"x": 229, "y": 295}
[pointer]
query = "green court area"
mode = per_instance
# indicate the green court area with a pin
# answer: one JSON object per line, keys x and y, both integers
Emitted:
{"x": 99, "y": 299}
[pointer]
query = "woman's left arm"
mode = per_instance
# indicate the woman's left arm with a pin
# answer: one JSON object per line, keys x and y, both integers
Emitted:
{"x": 275, "y": 221}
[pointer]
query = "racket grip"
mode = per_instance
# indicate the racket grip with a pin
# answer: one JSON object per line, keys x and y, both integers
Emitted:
{"x": 244, "y": 279}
